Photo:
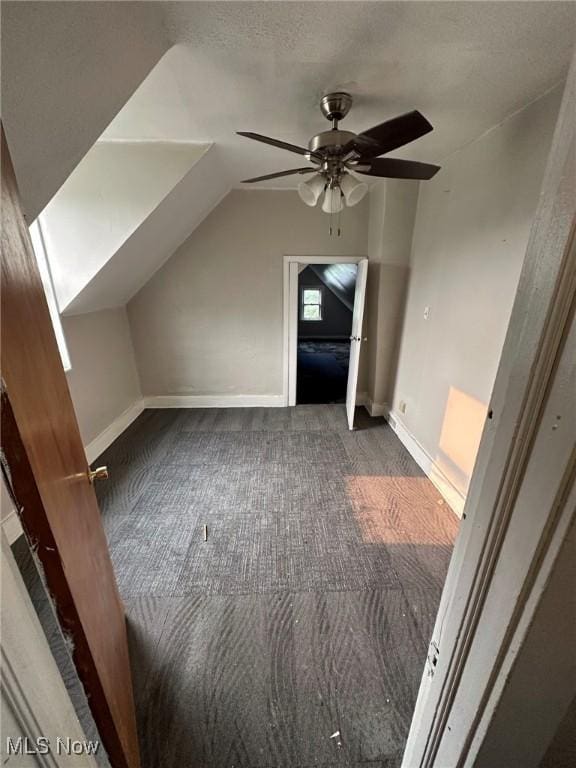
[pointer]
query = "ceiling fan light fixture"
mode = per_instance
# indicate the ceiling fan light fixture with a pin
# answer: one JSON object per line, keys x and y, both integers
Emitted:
{"x": 332, "y": 200}
{"x": 311, "y": 190}
{"x": 353, "y": 189}
{"x": 334, "y": 154}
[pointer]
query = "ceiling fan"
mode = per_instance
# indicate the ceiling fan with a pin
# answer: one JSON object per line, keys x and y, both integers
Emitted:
{"x": 336, "y": 155}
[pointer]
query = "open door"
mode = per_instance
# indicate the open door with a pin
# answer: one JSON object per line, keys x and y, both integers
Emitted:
{"x": 46, "y": 471}
{"x": 356, "y": 340}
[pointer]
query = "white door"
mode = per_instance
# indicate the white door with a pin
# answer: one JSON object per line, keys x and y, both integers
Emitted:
{"x": 356, "y": 340}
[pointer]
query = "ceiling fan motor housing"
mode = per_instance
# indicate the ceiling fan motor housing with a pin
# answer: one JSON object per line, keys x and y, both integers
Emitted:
{"x": 332, "y": 140}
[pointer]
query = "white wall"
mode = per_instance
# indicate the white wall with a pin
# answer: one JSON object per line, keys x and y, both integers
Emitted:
{"x": 472, "y": 227}
{"x": 108, "y": 195}
{"x": 210, "y": 320}
{"x": 103, "y": 381}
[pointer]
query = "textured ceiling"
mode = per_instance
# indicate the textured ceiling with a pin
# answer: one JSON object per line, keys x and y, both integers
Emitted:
{"x": 264, "y": 66}
{"x": 69, "y": 67}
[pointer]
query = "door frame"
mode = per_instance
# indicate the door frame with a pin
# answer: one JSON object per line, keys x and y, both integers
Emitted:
{"x": 489, "y": 598}
{"x": 33, "y": 692}
{"x": 290, "y": 307}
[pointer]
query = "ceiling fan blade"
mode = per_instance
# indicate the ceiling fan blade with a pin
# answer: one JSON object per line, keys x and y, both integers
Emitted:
{"x": 392, "y": 134}
{"x": 277, "y": 175}
{"x": 279, "y": 144}
{"x": 390, "y": 168}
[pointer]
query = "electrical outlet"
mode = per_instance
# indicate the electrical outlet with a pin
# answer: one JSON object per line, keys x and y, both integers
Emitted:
{"x": 402, "y": 406}
{"x": 426, "y": 313}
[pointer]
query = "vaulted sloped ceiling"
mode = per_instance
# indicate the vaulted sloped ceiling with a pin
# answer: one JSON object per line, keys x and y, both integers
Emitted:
{"x": 67, "y": 70}
{"x": 340, "y": 279}
{"x": 109, "y": 195}
{"x": 68, "y": 67}
{"x": 157, "y": 237}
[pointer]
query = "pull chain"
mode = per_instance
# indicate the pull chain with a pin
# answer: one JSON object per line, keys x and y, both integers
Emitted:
{"x": 338, "y": 214}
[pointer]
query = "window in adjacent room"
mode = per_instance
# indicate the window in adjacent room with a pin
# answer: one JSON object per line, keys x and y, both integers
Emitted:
{"x": 311, "y": 304}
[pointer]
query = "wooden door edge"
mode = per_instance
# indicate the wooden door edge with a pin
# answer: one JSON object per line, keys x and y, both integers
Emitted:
{"x": 22, "y": 486}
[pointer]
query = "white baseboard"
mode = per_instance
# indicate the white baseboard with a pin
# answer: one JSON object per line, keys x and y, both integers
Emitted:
{"x": 107, "y": 436}
{"x": 376, "y": 409}
{"x": 215, "y": 401}
{"x": 453, "y": 496}
{"x": 226, "y": 401}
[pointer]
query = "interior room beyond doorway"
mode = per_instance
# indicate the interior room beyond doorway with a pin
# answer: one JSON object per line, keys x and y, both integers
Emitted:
{"x": 325, "y": 306}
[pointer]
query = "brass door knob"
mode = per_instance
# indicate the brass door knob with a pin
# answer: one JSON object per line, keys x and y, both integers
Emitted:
{"x": 100, "y": 473}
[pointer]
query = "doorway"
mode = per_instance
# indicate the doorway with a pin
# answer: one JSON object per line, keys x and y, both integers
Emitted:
{"x": 325, "y": 306}
{"x": 323, "y": 369}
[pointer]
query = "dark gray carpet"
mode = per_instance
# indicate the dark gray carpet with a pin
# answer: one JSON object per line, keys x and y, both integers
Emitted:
{"x": 308, "y": 610}
{"x": 322, "y": 371}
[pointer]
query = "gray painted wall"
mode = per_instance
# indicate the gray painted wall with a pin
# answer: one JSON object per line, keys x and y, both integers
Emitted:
{"x": 210, "y": 321}
{"x": 103, "y": 381}
{"x": 472, "y": 227}
{"x": 391, "y": 225}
